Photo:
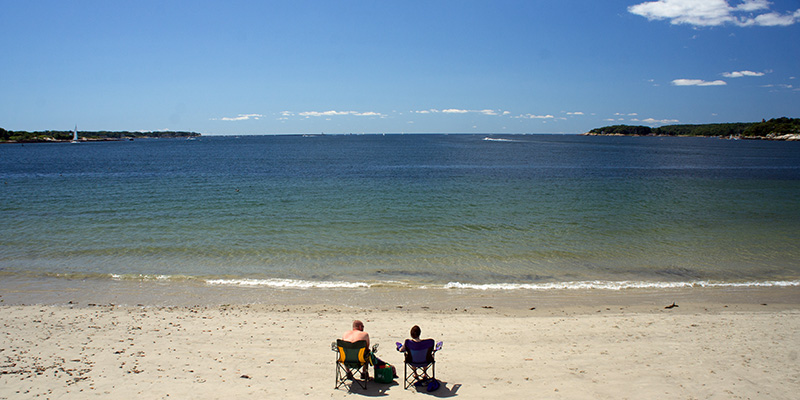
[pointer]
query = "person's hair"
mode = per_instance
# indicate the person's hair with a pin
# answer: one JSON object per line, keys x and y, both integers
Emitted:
{"x": 415, "y": 331}
{"x": 358, "y": 325}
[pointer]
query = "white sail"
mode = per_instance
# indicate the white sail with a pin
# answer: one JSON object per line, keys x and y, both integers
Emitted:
{"x": 75, "y": 135}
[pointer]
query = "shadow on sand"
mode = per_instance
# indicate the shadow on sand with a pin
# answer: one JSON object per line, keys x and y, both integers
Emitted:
{"x": 375, "y": 389}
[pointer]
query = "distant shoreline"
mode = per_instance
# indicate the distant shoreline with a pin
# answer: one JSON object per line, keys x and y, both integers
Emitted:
{"x": 783, "y": 129}
{"x": 785, "y": 138}
{"x": 85, "y": 140}
{"x": 88, "y": 136}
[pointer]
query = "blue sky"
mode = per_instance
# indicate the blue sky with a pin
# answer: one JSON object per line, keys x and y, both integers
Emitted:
{"x": 264, "y": 67}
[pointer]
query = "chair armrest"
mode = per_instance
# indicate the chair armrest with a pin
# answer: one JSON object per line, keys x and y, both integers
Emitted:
{"x": 334, "y": 347}
{"x": 399, "y": 345}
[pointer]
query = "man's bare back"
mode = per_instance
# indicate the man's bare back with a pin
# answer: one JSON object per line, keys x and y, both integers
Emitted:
{"x": 356, "y": 334}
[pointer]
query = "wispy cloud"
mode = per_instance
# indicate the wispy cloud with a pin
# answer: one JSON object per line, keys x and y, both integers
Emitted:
{"x": 779, "y": 86}
{"x": 715, "y": 13}
{"x": 332, "y": 113}
{"x": 455, "y": 111}
{"x": 463, "y": 111}
{"x": 739, "y": 74}
{"x": 653, "y": 121}
{"x": 574, "y": 113}
{"x": 534, "y": 116}
{"x": 698, "y": 82}
{"x": 240, "y": 117}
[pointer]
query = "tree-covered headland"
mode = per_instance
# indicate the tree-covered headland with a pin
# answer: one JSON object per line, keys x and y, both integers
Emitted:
{"x": 777, "y": 129}
{"x": 65, "y": 136}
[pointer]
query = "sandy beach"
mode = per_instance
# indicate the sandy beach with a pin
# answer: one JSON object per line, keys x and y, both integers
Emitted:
{"x": 597, "y": 346}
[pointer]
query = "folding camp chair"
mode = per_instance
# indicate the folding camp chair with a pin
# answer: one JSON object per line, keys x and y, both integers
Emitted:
{"x": 419, "y": 361}
{"x": 350, "y": 359}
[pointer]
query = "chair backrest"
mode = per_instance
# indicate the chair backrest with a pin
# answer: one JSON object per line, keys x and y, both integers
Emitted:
{"x": 419, "y": 352}
{"x": 352, "y": 352}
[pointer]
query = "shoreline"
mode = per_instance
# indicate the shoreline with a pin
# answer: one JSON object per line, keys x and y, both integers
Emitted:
{"x": 56, "y": 291}
{"x": 779, "y": 138}
{"x": 91, "y": 140}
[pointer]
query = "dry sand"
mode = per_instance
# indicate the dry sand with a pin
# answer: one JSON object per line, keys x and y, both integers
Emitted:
{"x": 597, "y": 349}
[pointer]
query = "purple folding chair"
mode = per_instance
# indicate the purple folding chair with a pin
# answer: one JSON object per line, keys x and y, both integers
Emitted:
{"x": 420, "y": 361}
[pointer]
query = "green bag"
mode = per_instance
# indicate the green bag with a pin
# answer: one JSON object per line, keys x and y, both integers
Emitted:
{"x": 384, "y": 373}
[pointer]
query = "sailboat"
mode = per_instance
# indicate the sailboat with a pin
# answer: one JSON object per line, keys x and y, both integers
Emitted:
{"x": 75, "y": 135}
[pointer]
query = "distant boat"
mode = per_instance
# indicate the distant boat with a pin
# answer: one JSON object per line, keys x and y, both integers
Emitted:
{"x": 491, "y": 139}
{"x": 75, "y": 135}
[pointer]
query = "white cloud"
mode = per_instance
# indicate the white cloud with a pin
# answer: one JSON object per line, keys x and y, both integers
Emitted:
{"x": 332, "y": 113}
{"x": 534, "y": 116}
{"x": 575, "y": 113}
{"x": 775, "y": 19}
{"x": 455, "y": 111}
{"x": 697, "y": 82}
{"x": 714, "y": 13}
{"x": 240, "y": 117}
{"x": 739, "y": 74}
{"x": 652, "y": 121}
{"x": 461, "y": 111}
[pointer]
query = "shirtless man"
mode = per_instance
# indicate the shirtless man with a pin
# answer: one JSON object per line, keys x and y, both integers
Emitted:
{"x": 356, "y": 334}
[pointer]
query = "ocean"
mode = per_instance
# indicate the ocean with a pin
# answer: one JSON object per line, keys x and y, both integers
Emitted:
{"x": 519, "y": 212}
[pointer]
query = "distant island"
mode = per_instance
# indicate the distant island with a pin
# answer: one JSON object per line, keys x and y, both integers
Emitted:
{"x": 85, "y": 136}
{"x": 774, "y": 129}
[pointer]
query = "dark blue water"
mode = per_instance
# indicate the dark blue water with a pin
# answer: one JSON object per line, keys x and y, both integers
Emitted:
{"x": 417, "y": 210}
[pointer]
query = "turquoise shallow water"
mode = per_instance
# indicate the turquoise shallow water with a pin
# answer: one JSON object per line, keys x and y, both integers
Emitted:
{"x": 405, "y": 210}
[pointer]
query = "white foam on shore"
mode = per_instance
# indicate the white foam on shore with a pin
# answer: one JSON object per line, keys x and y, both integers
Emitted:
{"x": 144, "y": 277}
{"x": 614, "y": 285}
{"x": 579, "y": 285}
{"x": 289, "y": 283}
{"x": 573, "y": 285}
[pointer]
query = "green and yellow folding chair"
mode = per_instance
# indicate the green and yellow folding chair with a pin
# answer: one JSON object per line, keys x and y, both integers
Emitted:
{"x": 350, "y": 359}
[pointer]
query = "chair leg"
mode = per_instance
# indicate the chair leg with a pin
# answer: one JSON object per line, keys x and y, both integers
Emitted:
{"x": 419, "y": 374}
{"x": 343, "y": 373}
{"x": 408, "y": 381}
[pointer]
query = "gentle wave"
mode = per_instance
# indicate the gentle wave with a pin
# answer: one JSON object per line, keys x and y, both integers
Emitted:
{"x": 289, "y": 283}
{"x": 283, "y": 283}
{"x": 152, "y": 277}
{"x": 585, "y": 285}
{"x": 614, "y": 285}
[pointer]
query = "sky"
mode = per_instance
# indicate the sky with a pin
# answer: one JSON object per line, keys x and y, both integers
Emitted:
{"x": 494, "y": 66}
